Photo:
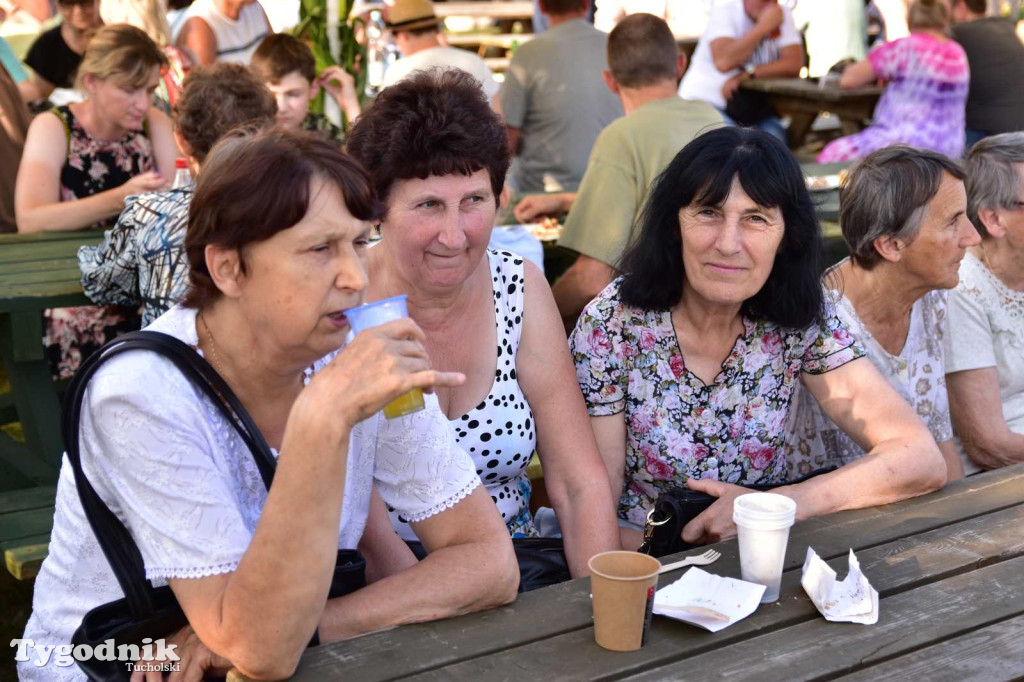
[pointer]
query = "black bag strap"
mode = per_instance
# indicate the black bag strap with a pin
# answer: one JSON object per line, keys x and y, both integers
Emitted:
{"x": 114, "y": 539}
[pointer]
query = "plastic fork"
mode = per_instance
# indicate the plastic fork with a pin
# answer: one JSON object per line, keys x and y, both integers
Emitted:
{"x": 708, "y": 557}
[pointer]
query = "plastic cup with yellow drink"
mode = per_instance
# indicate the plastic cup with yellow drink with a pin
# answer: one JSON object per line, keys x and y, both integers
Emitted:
{"x": 377, "y": 313}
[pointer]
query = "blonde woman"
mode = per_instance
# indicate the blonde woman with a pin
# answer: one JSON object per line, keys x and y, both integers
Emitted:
{"x": 81, "y": 160}
{"x": 151, "y": 17}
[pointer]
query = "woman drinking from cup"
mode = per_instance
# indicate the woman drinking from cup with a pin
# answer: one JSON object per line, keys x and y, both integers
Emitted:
{"x": 688, "y": 361}
{"x": 438, "y": 156}
{"x": 276, "y": 247}
{"x": 904, "y": 217}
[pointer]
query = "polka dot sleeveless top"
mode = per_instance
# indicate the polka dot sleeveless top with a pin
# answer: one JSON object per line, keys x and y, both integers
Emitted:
{"x": 499, "y": 433}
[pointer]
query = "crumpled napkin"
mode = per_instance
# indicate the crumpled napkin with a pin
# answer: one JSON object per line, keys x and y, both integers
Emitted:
{"x": 708, "y": 601}
{"x": 851, "y": 601}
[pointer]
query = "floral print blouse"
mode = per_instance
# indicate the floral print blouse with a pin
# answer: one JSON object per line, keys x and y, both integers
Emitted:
{"x": 95, "y": 165}
{"x": 629, "y": 360}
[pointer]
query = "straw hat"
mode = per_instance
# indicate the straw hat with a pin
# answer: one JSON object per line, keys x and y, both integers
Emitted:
{"x": 409, "y": 15}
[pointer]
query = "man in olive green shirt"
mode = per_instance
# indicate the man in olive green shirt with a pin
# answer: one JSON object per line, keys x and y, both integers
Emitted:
{"x": 644, "y": 69}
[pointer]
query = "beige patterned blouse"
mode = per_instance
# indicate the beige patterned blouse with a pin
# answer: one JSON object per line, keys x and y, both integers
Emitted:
{"x": 917, "y": 373}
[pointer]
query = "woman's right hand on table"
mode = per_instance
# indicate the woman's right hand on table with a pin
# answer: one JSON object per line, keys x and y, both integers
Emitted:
{"x": 380, "y": 364}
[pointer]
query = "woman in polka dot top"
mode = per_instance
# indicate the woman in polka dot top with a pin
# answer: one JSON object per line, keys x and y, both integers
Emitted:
{"x": 438, "y": 156}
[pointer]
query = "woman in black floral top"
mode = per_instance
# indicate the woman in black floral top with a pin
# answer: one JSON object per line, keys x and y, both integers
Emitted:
{"x": 82, "y": 160}
{"x": 688, "y": 362}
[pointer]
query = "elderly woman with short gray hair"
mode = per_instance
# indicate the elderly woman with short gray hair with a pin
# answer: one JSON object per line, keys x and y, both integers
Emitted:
{"x": 985, "y": 337}
{"x": 903, "y": 213}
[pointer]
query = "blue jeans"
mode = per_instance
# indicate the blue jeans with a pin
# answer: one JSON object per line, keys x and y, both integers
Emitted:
{"x": 771, "y": 125}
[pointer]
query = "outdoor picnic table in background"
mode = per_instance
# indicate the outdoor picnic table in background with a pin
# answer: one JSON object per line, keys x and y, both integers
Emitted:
{"x": 803, "y": 99}
{"x": 484, "y": 40}
{"x": 37, "y": 271}
{"x": 507, "y": 9}
{"x": 949, "y": 569}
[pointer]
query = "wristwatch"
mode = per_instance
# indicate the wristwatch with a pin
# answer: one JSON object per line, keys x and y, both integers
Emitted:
{"x": 749, "y": 68}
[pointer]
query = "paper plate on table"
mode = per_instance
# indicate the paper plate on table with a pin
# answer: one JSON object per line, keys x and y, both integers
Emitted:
{"x": 545, "y": 231}
{"x": 823, "y": 183}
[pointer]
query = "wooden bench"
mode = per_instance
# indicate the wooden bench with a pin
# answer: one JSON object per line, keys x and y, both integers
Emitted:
{"x": 26, "y": 518}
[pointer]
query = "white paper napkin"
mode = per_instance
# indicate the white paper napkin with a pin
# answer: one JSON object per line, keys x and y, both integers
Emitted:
{"x": 708, "y": 601}
{"x": 851, "y": 601}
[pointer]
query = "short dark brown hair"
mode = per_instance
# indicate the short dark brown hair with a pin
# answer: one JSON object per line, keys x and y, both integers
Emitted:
{"x": 217, "y": 98}
{"x": 562, "y": 7}
{"x": 434, "y": 122}
{"x": 256, "y": 184}
{"x": 278, "y": 55}
{"x": 975, "y": 6}
{"x": 642, "y": 51}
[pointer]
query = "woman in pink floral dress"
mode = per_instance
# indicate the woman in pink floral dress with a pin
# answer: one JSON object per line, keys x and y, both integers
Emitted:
{"x": 82, "y": 160}
{"x": 689, "y": 360}
{"x": 925, "y": 97}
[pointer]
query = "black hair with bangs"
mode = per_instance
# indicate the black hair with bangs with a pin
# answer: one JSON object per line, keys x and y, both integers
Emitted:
{"x": 702, "y": 173}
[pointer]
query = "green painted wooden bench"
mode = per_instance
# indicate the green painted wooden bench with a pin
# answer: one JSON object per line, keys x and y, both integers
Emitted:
{"x": 37, "y": 271}
{"x": 26, "y": 518}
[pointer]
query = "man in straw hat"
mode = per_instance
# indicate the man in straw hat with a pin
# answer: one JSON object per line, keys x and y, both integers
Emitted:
{"x": 417, "y": 35}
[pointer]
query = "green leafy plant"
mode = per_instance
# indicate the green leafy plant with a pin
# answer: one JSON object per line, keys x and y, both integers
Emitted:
{"x": 313, "y": 29}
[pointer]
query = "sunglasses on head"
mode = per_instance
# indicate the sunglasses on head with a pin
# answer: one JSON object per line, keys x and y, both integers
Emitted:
{"x": 73, "y": 3}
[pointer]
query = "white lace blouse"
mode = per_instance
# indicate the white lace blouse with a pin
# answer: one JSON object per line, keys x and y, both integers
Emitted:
{"x": 175, "y": 472}
{"x": 986, "y": 329}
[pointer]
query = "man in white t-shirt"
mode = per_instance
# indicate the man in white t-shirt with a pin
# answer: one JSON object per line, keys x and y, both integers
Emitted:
{"x": 418, "y": 38}
{"x": 744, "y": 39}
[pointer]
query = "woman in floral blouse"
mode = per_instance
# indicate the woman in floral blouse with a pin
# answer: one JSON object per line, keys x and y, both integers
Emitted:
{"x": 904, "y": 217}
{"x": 689, "y": 361}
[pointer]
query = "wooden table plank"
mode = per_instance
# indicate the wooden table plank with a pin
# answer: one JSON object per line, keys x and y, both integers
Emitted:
{"x": 992, "y": 654}
{"x": 505, "y": 40}
{"x": 566, "y": 608}
{"x": 29, "y": 277}
{"x": 893, "y": 568}
{"x": 909, "y": 620}
{"x": 33, "y": 498}
{"x": 512, "y": 9}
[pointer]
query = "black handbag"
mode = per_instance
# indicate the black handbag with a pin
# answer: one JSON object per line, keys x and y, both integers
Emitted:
{"x": 541, "y": 561}
{"x": 675, "y": 508}
{"x": 147, "y": 611}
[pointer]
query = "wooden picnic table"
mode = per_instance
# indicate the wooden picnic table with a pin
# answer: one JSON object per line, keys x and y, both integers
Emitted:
{"x": 497, "y": 9}
{"x": 949, "y": 569}
{"x": 802, "y": 99}
{"x": 503, "y": 40}
{"x": 37, "y": 271}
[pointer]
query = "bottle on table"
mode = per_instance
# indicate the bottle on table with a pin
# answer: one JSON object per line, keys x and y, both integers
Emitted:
{"x": 381, "y": 52}
{"x": 182, "y": 176}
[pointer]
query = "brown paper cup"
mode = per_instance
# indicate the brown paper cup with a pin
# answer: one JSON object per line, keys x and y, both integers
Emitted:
{"x": 622, "y": 586}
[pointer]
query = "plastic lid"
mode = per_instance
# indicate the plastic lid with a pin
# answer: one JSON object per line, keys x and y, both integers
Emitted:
{"x": 181, "y": 163}
{"x": 764, "y": 510}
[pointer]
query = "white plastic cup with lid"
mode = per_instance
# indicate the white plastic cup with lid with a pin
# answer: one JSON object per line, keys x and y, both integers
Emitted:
{"x": 762, "y": 523}
{"x": 377, "y": 313}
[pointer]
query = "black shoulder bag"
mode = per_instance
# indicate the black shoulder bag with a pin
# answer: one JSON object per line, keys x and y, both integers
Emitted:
{"x": 147, "y": 611}
{"x": 678, "y": 506}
